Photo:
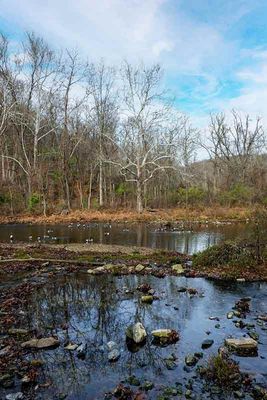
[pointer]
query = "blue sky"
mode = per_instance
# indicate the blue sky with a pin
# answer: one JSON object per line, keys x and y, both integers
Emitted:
{"x": 214, "y": 52}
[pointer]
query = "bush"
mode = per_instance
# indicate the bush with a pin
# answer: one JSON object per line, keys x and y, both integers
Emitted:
{"x": 223, "y": 371}
{"x": 225, "y": 254}
{"x": 194, "y": 195}
{"x": 34, "y": 200}
{"x": 238, "y": 194}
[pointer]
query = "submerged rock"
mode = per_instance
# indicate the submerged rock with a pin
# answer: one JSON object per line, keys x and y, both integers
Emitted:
{"x": 15, "y": 396}
{"x": 207, "y": 343}
{"x": 114, "y": 355}
{"x": 81, "y": 351}
{"x": 42, "y": 343}
{"x": 191, "y": 360}
{"x": 246, "y": 346}
{"x": 112, "y": 345}
{"x": 136, "y": 332}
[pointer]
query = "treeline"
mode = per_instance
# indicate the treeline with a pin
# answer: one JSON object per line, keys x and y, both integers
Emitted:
{"x": 75, "y": 134}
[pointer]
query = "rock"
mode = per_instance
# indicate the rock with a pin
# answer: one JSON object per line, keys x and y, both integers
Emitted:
{"x": 81, "y": 351}
{"x": 191, "y": 360}
{"x": 112, "y": 345}
{"x": 241, "y": 280}
{"x": 170, "y": 364}
{"x": 147, "y": 385}
{"x": 132, "y": 380}
{"x": 18, "y": 332}
{"x": 5, "y": 351}
{"x": 238, "y": 394}
{"x": 71, "y": 346}
{"x": 45, "y": 264}
{"x": 170, "y": 391}
{"x": 181, "y": 289}
{"x": 254, "y": 335}
{"x": 136, "y": 332}
{"x": 178, "y": 269}
{"x": 139, "y": 268}
{"x": 165, "y": 336}
{"x": 114, "y": 355}
{"x": 262, "y": 317}
{"x": 230, "y": 315}
{"x": 147, "y": 299}
{"x": 96, "y": 271}
{"x": 15, "y": 396}
{"x": 207, "y": 343}
{"x": 6, "y": 381}
{"x": 43, "y": 343}
{"x": 37, "y": 363}
{"x": 242, "y": 346}
{"x": 217, "y": 326}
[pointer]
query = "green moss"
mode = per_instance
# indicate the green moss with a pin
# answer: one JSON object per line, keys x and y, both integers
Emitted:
{"x": 21, "y": 254}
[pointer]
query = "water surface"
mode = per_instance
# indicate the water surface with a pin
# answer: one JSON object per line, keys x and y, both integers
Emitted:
{"x": 97, "y": 309}
{"x": 184, "y": 239}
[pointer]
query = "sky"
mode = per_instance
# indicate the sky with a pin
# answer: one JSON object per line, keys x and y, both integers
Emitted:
{"x": 213, "y": 52}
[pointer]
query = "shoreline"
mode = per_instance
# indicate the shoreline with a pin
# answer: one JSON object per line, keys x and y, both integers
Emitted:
{"x": 177, "y": 215}
{"x": 100, "y": 259}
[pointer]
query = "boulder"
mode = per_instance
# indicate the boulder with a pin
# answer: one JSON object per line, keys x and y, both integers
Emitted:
{"x": 136, "y": 332}
{"x": 164, "y": 337}
{"x": 43, "y": 343}
{"x": 178, "y": 269}
{"x": 242, "y": 345}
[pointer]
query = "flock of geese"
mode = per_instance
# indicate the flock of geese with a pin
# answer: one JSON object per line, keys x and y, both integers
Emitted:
{"x": 48, "y": 236}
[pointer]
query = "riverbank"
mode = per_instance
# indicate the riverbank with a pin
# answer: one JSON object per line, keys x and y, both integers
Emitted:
{"x": 201, "y": 215}
{"x": 100, "y": 259}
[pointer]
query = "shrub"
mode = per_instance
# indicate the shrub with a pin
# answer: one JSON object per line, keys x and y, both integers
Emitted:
{"x": 194, "y": 195}
{"x": 238, "y": 194}
{"x": 222, "y": 370}
{"x": 34, "y": 200}
{"x": 227, "y": 253}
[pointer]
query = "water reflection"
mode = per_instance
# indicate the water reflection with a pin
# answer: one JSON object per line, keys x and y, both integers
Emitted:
{"x": 125, "y": 234}
{"x": 96, "y": 310}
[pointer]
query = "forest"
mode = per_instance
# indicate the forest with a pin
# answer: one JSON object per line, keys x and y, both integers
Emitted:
{"x": 76, "y": 134}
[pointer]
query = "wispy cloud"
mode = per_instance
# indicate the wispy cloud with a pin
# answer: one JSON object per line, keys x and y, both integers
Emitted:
{"x": 209, "y": 64}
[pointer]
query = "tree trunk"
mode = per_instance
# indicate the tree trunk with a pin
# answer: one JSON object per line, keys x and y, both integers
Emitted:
{"x": 101, "y": 202}
{"x": 90, "y": 190}
{"x": 139, "y": 197}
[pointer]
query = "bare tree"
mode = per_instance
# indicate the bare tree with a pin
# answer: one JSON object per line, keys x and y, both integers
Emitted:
{"x": 145, "y": 130}
{"x": 103, "y": 115}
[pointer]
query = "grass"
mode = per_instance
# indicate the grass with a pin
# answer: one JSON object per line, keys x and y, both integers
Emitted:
{"x": 215, "y": 213}
{"x": 222, "y": 371}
